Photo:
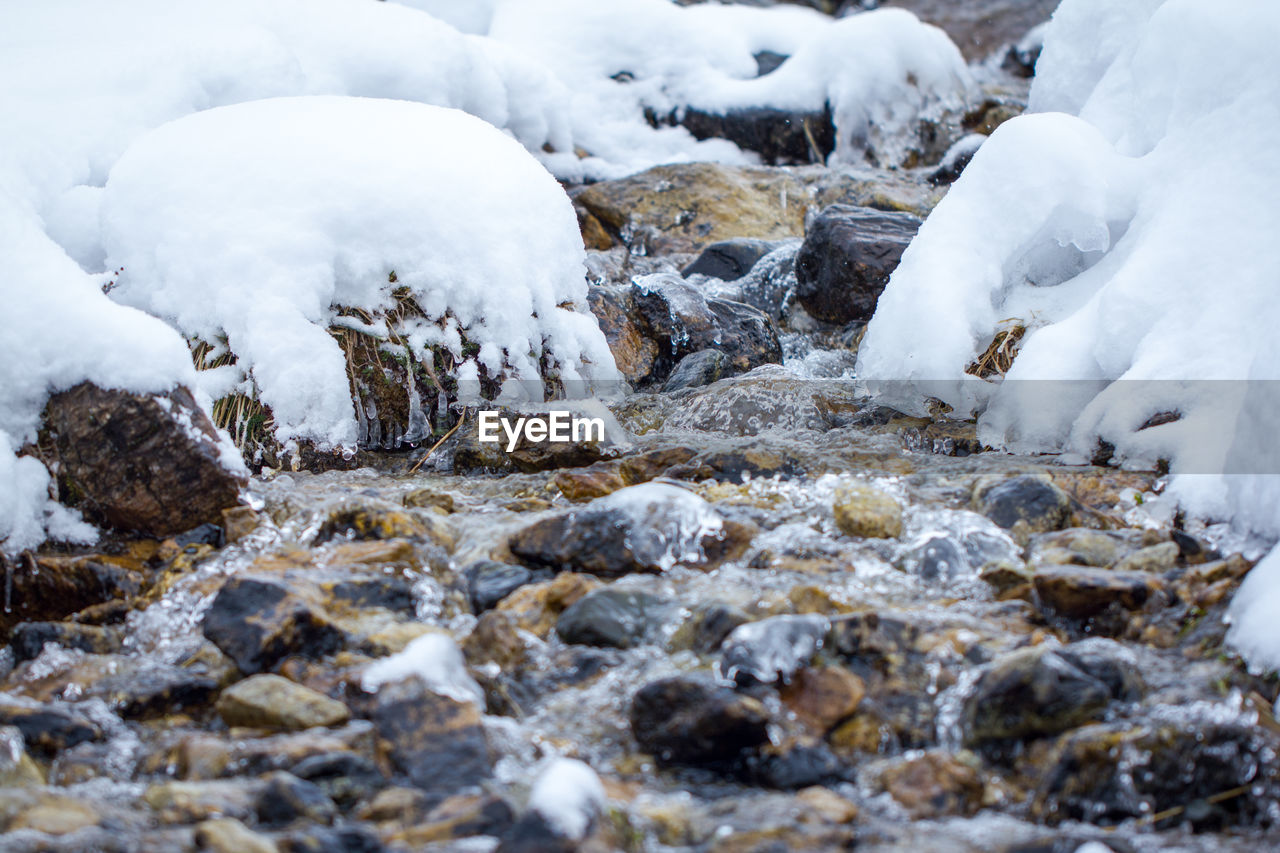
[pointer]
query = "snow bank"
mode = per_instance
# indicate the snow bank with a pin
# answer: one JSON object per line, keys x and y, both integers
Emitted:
{"x": 436, "y": 659}
{"x": 257, "y": 221}
{"x": 1133, "y": 232}
{"x": 881, "y": 71}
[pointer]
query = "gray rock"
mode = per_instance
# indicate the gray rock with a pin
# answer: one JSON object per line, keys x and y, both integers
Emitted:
{"x": 697, "y": 369}
{"x": 612, "y": 617}
{"x": 772, "y": 649}
{"x": 730, "y": 260}
{"x": 257, "y": 623}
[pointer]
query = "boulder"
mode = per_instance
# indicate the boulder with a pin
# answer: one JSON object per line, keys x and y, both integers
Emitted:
{"x": 688, "y": 720}
{"x": 145, "y": 463}
{"x": 846, "y": 259}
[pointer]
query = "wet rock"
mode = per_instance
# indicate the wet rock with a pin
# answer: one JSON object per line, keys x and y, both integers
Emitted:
{"x": 1040, "y": 691}
{"x": 151, "y": 463}
{"x": 1025, "y": 505}
{"x": 190, "y": 802}
{"x": 228, "y": 835}
{"x": 956, "y": 159}
{"x": 846, "y": 259}
{"x": 772, "y": 649}
{"x": 935, "y": 784}
{"x": 488, "y": 582}
{"x": 272, "y": 702}
{"x": 1078, "y": 546}
{"x": 823, "y": 696}
{"x": 285, "y": 798}
{"x": 348, "y": 838}
{"x": 145, "y": 690}
{"x": 439, "y": 743}
{"x": 28, "y": 638}
{"x": 463, "y": 816}
{"x": 660, "y": 525}
{"x": 1208, "y": 773}
{"x": 659, "y": 319}
{"x": 873, "y": 642}
{"x": 536, "y": 607}
{"x": 697, "y": 369}
{"x": 613, "y": 617}
{"x": 370, "y": 521}
{"x": 46, "y": 729}
{"x": 17, "y": 769}
{"x": 1079, "y": 592}
{"x": 1154, "y": 558}
{"x": 56, "y": 815}
{"x": 471, "y": 454}
{"x": 429, "y": 499}
{"x": 938, "y": 557}
{"x": 730, "y": 260}
{"x": 687, "y": 720}
{"x": 345, "y": 777}
{"x": 778, "y": 136}
{"x": 50, "y": 588}
{"x": 708, "y": 627}
{"x": 683, "y": 208}
{"x": 867, "y": 512}
{"x": 586, "y": 484}
{"x": 389, "y": 592}
{"x": 794, "y": 765}
{"x": 258, "y": 623}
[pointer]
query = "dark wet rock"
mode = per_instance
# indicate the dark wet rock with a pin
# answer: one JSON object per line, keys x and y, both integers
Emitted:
{"x": 730, "y": 260}
{"x": 357, "y": 521}
{"x": 613, "y": 617}
{"x": 271, "y": 702}
{"x": 1041, "y": 691}
{"x": 738, "y": 465}
{"x": 709, "y": 626}
{"x": 151, "y": 463}
{"x": 155, "y": 689}
{"x": 258, "y": 623}
{"x": 688, "y": 720}
{"x": 935, "y": 784}
{"x": 47, "y": 729}
{"x": 937, "y": 558}
{"x": 873, "y": 642}
{"x": 795, "y": 765}
{"x": 347, "y": 838}
{"x": 1021, "y": 58}
{"x": 846, "y": 259}
{"x": 439, "y": 743}
{"x": 488, "y": 582}
{"x": 1025, "y": 504}
{"x": 771, "y": 283}
{"x": 767, "y": 62}
{"x": 654, "y": 323}
{"x": 533, "y": 833}
{"x": 990, "y": 114}
{"x": 463, "y": 816}
{"x": 697, "y": 369}
{"x": 285, "y": 798}
{"x": 1079, "y": 592}
{"x": 629, "y": 531}
{"x": 50, "y": 588}
{"x": 778, "y": 136}
{"x": 867, "y": 512}
{"x": 536, "y": 607}
{"x": 345, "y": 777}
{"x": 772, "y": 649}
{"x": 390, "y": 592}
{"x": 1208, "y": 773}
{"x": 28, "y": 638}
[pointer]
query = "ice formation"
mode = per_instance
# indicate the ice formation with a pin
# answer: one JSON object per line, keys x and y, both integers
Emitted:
{"x": 258, "y": 221}
{"x": 1129, "y": 221}
{"x": 569, "y": 796}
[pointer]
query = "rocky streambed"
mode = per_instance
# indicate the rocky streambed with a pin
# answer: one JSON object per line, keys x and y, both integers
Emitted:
{"x": 767, "y": 612}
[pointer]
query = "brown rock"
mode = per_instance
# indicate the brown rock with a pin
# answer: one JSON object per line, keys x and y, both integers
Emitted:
{"x": 50, "y": 588}
{"x": 867, "y": 512}
{"x": 584, "y": 484}
{"x": 934, "y": 784}
{"x": 228, "y": 835}
{"x": 272, "y": 702}
{"x": 1079, "y": 592}
{"x": 537, "y": 606}
{"x": 149, "y": 463}
{"x": 822, "y": 697}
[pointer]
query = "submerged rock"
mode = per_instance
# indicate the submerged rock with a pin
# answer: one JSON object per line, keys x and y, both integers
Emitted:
{"x": 47, "y": 729}
{"x": 846, "y": 259}
{"x": 1024, "y": 504}
{"x": 150, "y": 463}
{"x": 28, "y": 638}
{"x": 687, "y": 720}
{"x": 867, "y": 512}
{"x": 772, "y": 649}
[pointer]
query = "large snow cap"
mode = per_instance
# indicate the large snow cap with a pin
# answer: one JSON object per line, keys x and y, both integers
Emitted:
{"x": 257, "y": 221}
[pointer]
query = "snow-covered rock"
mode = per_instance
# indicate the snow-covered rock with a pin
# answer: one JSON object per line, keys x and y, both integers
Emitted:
{"x": 259, "y": 221}
{"x": 1129, "y": 222}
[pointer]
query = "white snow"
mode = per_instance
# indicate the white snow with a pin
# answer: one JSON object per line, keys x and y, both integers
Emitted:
{"x": 436, "y": 659}
{"x": 569, "y": 795}
{"x": 258, "y": 220}
{"x": 1133, "y": 231}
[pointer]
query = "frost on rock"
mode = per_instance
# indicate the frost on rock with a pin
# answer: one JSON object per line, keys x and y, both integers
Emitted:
{"x": 264, "y": 224}
{"x": 569, "y": 796}
{"x": 437, "y": 660}
{"x": 662, "y": 525}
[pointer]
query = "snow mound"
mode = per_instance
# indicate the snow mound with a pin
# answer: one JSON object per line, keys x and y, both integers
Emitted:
{"x": 258, "y": 221}
{"x": 1132, "y": 232}
{"x": 436, "y": 659}
{"x": 882, "y": 73}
